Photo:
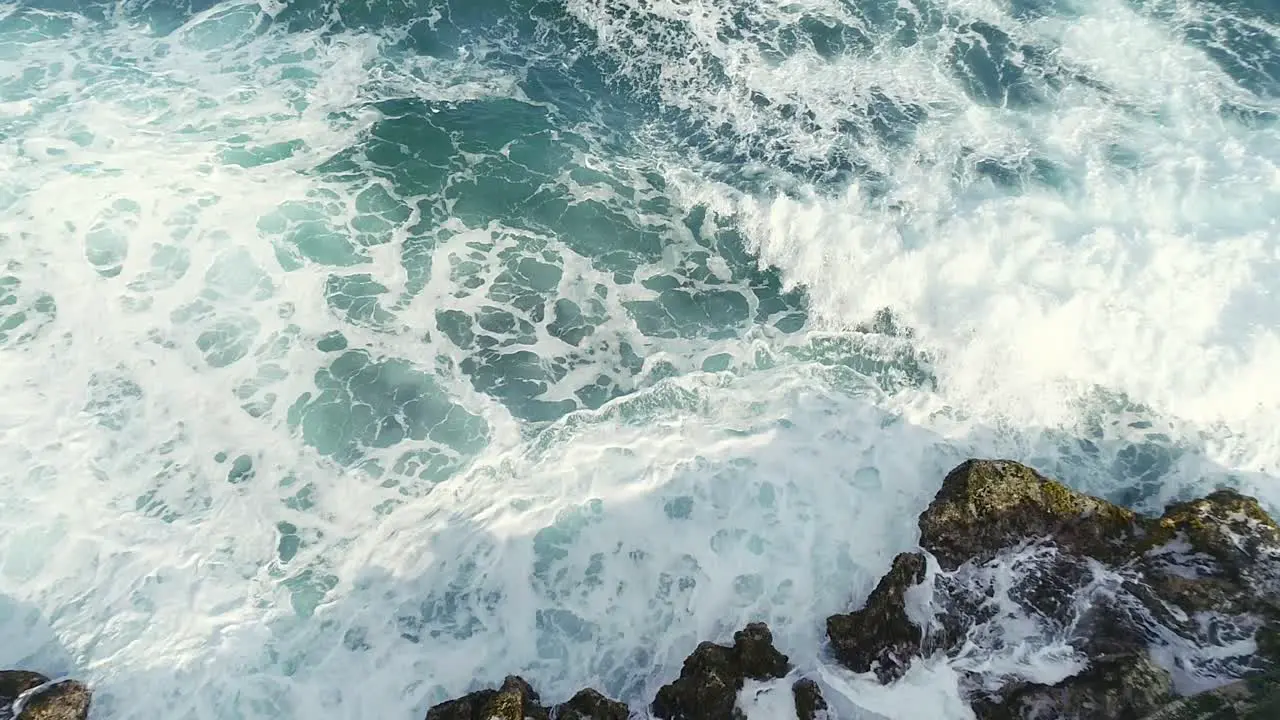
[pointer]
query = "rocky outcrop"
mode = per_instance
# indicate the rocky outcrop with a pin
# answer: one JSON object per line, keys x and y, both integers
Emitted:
{"x": 1125, "y": 687}
{"x": 1257, "y": 698}
{"x": 810, "y": 705}
{"x": 880, "y": 636}
{"x": 712, "y": 676}
{"x": 707, "y": 689}
{"x": 1200, "y": 583}
{"x": 30, "y": 696}
{"x": 517, "y": 700}
{"x": 985, "y": 507}
{"x": 1204, "y": 575}
{"x": 591, "y": 705}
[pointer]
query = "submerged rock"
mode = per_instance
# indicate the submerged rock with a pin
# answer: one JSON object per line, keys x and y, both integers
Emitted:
{"x": 712, "y": 676}
{"x": 31, "y": 696}
{"x": 880, "y": 636}
{"x": 1079, "y": 574}
{"x": 517, "y": 700}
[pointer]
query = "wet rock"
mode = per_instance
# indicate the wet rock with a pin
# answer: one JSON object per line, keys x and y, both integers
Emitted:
{"x": 590, "y": 705}
{"x": 880, "y": 636}
{"x": 1268, "y": 641}
{"x": 1020, "y": 550}
{"x": 810, "y": 705}
{"x": 64, "y": 700}
{"x": 1125, "y": 687}
{"x": 13, "y": 683}
{"x": 712, "y": 676}
{"x": 1256, "y": 698}
{"x": 986, "y": 506}
{"x": 1219, "y": 552}
{"x": 515, "y": 700}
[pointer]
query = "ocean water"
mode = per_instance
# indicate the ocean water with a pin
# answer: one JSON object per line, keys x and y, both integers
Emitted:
{"x": 356, "y": 354}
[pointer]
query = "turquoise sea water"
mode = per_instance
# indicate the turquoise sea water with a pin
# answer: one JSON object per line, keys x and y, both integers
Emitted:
{"x": 356, "y": 354}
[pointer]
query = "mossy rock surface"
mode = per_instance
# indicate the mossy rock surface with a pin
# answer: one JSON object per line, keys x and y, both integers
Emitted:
{"x": 810, "y": 705}
{"x": 1231, "y": 528}
{"x": 590, "y": 705}
{"x": 1124, "y": 687}
{"x": 64, "y": 700}
{"x": 15, "y": 682}
{"x": 985, "y": 506}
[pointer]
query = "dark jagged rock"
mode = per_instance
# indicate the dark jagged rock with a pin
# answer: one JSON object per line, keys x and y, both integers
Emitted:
{"x": 1125, "y": 687}
{"x": 1199, "y": 580}
{"x": 880, "y": 636}
{"x": 986, "y": 506}
{"x": 590, "y": 705}
{"x": 712, "y": 676}
{"x": 12, "y": 684}
{"x": 64, "y": 700}
{"x": 1197, "y": 583}
{"x": 1257, "y": 698}
{"x": 810, "y": 705}
{"x": 1230, "y": 558}
{"x": 515, "y": 700}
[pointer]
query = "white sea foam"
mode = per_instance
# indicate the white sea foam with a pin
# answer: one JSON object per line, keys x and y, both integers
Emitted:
{"x": 150, "y": 188}
{"x": 1152, "y": 278}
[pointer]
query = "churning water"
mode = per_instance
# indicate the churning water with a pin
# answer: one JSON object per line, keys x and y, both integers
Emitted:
{"x": 356, "y": 354}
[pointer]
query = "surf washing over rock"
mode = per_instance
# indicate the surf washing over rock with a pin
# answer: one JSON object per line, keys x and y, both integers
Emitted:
{"x": 355, "y": 356}
{"x": 1142, "y": 606}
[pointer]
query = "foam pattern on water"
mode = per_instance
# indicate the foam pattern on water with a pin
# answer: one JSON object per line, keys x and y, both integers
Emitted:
{"x": 357, "y": 356}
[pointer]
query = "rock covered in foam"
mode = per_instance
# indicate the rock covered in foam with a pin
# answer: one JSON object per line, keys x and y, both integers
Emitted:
{"x": 712, "y": 676}
{"x": 515, "y": 700}
{"x": 1195, "y": 585}
{"x": 27, "y": 695}
{"x": 591, "y": 705}
{"x": 707, "y": 689}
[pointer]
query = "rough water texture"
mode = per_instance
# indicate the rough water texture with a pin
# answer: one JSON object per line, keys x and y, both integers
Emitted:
{"x": 431, "y": 341}
{"x": 1124, "y": 629}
